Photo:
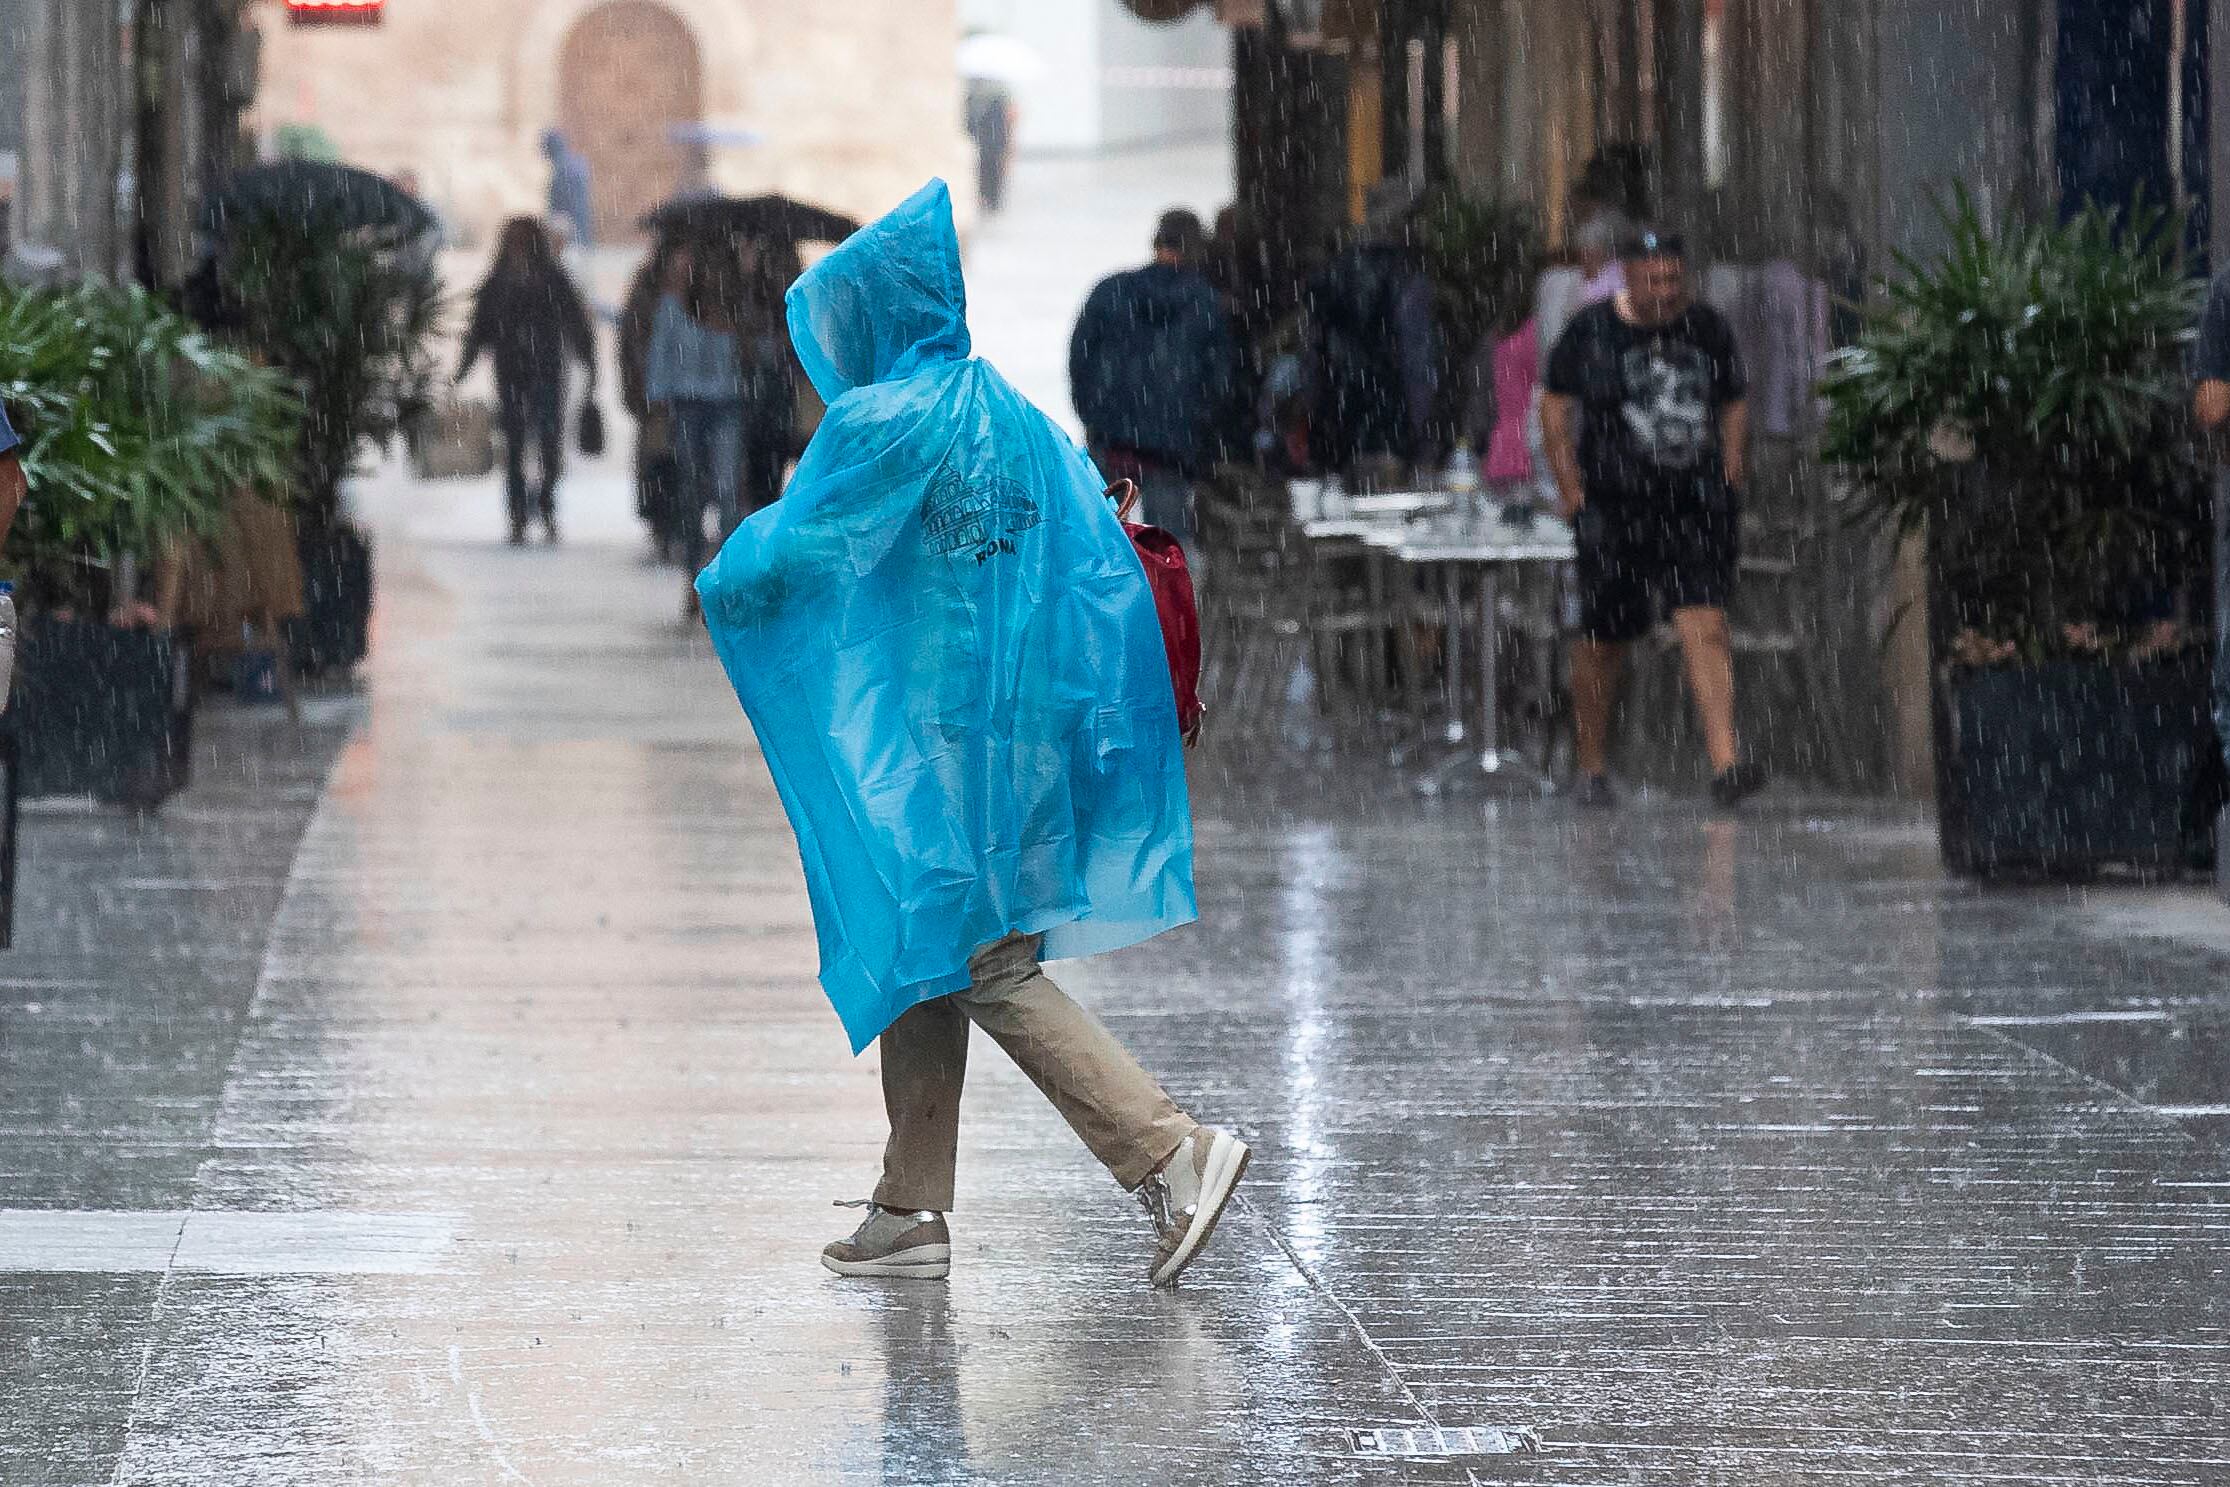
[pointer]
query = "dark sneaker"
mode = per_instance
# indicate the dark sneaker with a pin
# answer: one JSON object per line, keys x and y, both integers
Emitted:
{"x": 1186, "y": 1197}
{"x": 1595, "y": 792}
{"x": 1736, "y": 783}
{"x": 518, "y": 534}
{"x": 915, "y": 1246}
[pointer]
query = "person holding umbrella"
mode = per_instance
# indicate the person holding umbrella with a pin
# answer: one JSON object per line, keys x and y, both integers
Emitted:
{"x": 571, "y": 194}
{"x": 665, "y": 274}
{"x": 694, "y": 381}
{"x": 993, "y": 66}
{"x": 756, "y": 239}
{"x": 529, "y": 316}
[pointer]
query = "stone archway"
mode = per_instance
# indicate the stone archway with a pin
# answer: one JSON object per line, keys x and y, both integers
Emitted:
{"x": 629, "y": 71}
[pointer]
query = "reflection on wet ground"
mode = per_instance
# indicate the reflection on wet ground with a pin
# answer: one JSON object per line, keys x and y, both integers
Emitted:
{"x": 1734, "y": 1151}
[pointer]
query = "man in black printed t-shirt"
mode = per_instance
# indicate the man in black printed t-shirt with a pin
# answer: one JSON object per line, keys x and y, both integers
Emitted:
{"x": 1647, "y": 433}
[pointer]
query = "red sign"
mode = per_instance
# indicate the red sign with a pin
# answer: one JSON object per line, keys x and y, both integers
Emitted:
{"x": 335, "y": 12}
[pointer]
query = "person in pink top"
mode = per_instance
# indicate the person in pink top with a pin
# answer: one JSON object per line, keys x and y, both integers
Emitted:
{"x": 1517, "y": 373}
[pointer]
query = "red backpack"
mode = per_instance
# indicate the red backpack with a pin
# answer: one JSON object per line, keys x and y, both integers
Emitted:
{"x": 1171, "y": 581}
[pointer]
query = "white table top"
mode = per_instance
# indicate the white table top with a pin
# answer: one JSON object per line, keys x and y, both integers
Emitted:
{"x": 1399, "y": 503}
{"x": 1308, "y": 506}
{"x": 1459, "y": 550}
{"x": 1545, "y": 540}
{"x": 1350, "y": 528}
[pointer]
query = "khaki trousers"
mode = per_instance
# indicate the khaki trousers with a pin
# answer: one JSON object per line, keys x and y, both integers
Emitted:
{"x": 1126, "y": 1119}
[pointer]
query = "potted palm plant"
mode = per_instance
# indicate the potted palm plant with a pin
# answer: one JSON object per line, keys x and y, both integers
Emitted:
{"x": 2018, "y": 402}
{"x": 349, "y": 313}
{"x": 137, "y": 429}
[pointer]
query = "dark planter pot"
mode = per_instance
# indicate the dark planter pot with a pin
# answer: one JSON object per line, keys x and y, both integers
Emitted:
{"x": 103, "y": 712}
{"x": 2065, "y": 768}
{"x": 335, "y": 631}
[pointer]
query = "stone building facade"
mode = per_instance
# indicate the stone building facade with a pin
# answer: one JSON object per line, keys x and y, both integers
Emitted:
{"x": 851, "y": 106}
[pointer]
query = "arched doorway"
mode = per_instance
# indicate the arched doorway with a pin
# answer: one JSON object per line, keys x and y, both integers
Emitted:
{"x": 628, "y": 74}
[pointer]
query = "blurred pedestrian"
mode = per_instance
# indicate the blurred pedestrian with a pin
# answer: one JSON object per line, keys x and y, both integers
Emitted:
{"x": 13, "y": 485}
{"x": 1151, "y": 369}
{"x": 990, "y": 121}
{"x": 1503, "y": 382}
{"x": 422, "y": 253}
{"x": 695, "y": 378}
{"x": 2210, "y": 402}
{"x": 1240, "y": 266}
{"x": 1648, "y": 433}
{"x": 1374, "y": 349}
{"x": 1593, "y": 275}
{"x": 572, "y": 195}
{"x": 2211, "y": 406}
{"x": 13, "y": 488}
{"x": 665, "y": 272}
{"x": 951, "y": 656}
{"x": 529, "y": 316}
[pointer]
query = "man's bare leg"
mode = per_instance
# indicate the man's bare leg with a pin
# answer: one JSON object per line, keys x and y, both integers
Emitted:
{"x": 1595, "y": 669}
{"x": 1707, "y": 646}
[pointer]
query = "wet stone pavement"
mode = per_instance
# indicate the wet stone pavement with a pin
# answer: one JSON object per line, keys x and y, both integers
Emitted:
{"x": 442, "y": 1096}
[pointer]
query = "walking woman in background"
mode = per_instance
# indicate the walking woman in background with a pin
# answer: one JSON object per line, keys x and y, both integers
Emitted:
{"x": 695, "y": 379}
{"x": 665, "y": 274}
{"x": 529, "y": 316}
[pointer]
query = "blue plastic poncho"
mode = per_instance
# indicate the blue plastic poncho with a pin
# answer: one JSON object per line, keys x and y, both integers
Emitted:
{"x": 949, "y": 651}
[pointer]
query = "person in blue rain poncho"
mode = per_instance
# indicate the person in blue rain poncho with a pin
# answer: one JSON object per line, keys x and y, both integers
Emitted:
{"x": 948, "y": 648}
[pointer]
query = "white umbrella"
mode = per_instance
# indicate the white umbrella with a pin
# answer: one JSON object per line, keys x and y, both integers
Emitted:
{"x": 714, "y": 135}
{"x": 990, "y": 58}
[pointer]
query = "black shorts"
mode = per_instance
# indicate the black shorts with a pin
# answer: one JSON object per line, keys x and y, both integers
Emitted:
{"x": 1640, "y": 559}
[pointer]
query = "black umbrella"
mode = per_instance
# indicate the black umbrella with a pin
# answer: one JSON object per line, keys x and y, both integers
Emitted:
{"x": 319, "y": 190}
{"x": 768, "y": 218}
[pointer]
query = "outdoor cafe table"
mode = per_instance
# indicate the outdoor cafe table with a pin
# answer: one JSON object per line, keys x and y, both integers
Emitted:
{"x": 1491, "y": 545}
{"x": 1415, "y": 529}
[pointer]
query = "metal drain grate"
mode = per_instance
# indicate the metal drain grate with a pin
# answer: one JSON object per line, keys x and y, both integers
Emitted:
{"x": 1461, "y": 1440}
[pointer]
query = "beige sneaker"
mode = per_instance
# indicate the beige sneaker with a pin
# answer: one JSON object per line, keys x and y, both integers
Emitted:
{"x": 1186, "y": 1197}
{"x": 916, "y": 1246}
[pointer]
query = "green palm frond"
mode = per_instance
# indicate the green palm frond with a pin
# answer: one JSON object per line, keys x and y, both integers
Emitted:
{"x": 2056, "y": 350}
{"x": 136, "y": 426}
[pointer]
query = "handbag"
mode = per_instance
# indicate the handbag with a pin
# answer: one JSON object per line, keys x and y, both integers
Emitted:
{"x": 1174, "y": 605}
{"x": 456, "y": 440}
{"x": 590, "y": 435}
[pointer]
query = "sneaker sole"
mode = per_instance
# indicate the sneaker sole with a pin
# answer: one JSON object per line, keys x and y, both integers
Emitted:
{"x": 1227, "y": 1163}
{"x": 922, "y": 1262}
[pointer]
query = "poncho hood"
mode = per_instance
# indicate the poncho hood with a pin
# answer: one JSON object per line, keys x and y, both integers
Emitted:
{"x": 887, "y": 303}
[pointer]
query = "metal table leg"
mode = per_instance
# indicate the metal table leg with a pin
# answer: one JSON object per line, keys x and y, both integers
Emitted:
{"x": 1407, "y": 650}
{"x": 1490, "y": 646}
{"x": 1377, "y": 685}
{"x": 1451, "y": 596}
